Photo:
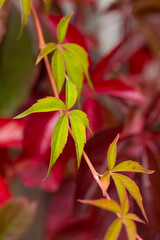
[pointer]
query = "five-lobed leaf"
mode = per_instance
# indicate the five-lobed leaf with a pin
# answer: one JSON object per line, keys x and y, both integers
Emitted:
{"x": 114, "y": 230}
{"x": 47, "y": 104}
{"x": 79, "y": 135}
{"x": 25, "y": 11}
{"x": 130, "y": 229}
{"x": 71, "y": 93}
{"x": 112, "y": 152}
{"x": 58, "y": 69}
{"x": 50, "y": 47}
{"x": 131, "y": 166}
{"x": 2, "y": 2}
{"x": 62, "y": 27}
{"x": 59, "y": 139}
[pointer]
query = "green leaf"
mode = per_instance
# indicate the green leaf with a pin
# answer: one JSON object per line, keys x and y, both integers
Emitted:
{"x": 2, "y": 2}
{"x": 122, "y": 193}
{"x": 25, "y": 11}
{"x": 134, "y": 217}
{"x": 133, "y": 190}
{"x": 130, "y": 166}
{"x": 59, "y": 139}
{"x": 105, "y": 182}
{"x": 83, "y": 117}
{"x": 112, "y": 152}
{"x": 109, "y": 205}
{"x": 130, "y": 229}
{"x": 71, "y": 93}
{"x": 50, "y": 47}
{"x": 79, "y": 135}
{"x": 74, "y": 70}
{"x": 58, "y": 69}
{"x": 62, "y": 27}
{"x": 47, "y": 104}
{"x": 16, "y": 216}
{"x": 81, "y": 56}
{"x": 114, "y": 230}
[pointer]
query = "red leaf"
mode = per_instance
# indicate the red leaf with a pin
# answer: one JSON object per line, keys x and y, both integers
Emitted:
{"x": 5, "y": 194}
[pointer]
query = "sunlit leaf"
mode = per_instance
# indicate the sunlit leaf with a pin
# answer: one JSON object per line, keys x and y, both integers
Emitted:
{"x": 58, "y": 69}
{"x": 2, "y": 2}
{"x": 114, "y": 230}
{"x": 134, "y": 217}
{"x": 59, "y": 139}
{"x": 50, "y": 47}
{"x": 25, "y": 11}
{"x": 71, "y": 93}
{"x": 47, "y": 104}
{"x": 81, "y": 55}
{"x": 131, "y": 166}
{"x": 83, "y": 117}
{"x": 105, "y": 182}
{"x": 112, "y": 152}
{"x": 79, "y": 134}
{"x": 62, "y": 27}
{"x": 130, "y": 229}
{"x": 74, "y": 70}
{"x": 109, "y": 205}
{"x": 15, "y": 218}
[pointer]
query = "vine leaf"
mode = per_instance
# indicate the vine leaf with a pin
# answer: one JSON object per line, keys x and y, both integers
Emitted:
{"x": 58, "y": 69}
{"x": 50, "y": 47}
{"x": 79, "y": 134}
{"x": 25, "y": 11}
{"x": 2, "y": 2}
{"x": 47, "y": 104}
{"x": 62, "y": 27}
{"x": 83, "y": 117}
{"x": 130, "y": 229}
{"x": 114, "y": 230}
{"x": 134, "y": 217}
{"x": 59, "y": 139}
{"x": 71, "y": 93}
{"x": 112, "y": 152}
{"x": 81, "y": 56}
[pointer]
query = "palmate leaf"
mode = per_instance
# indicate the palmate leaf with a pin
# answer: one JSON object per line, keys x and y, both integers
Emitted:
{"x": 79, "y": 134}
{"x": 59, "y": 139}
{"x": 58, "y": 69}
{"x": 130, "y": 229}
{"x": 112, "y": 152}
{"x": 2, "y": 2}
{"x": 50, "y": 47}
{"x": 71, "y": 93}
{"x": 62, "y": 27}
{"x": 114, "y": 230}
{"x": 47, "y": 104}
{"x": 81, "y": 56}
{"x": 25, "y": 11}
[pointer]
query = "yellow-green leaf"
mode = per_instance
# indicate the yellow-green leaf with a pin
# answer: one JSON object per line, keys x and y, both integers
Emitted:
{"x": 62, "y": 27}
{"x": 25, "y": 11}
{"x": 81, "y": 56}
{"x": 114, "y": 230}
{"x": 74, "y": 70}
{"x": 79, "y": 135}
{"x": 134, "y": 217}
{"x": 47, "y": 104}
{"x": 130, "y": 229}
{"x": 59, "y": 139}
{"x": 131, "y": 166}
{"x": 58, "y": 69}
{"x": 112, "y": 152}
{"x": 50, "y": 47}
{"x": 83, "y": 117}
{"x": 105, "y": 182}
{"x": 109, "y": 205}
{"x": 71, "y": 93}
{"x": 2, "y": 2}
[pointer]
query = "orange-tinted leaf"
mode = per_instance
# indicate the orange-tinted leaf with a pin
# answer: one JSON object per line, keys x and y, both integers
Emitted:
{"x": 130, "y": 229}
{"x": 114, "y": 230}
{"x": 105, "y": 182}
{"x": 112, "y": 152}
{"x": 109, "y": 205}
{"x": 131, "y": 166}
{"x": 134, "y": 217}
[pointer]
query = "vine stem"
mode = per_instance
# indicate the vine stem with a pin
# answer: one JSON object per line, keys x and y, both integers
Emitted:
{"x": 52, "y": 81}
